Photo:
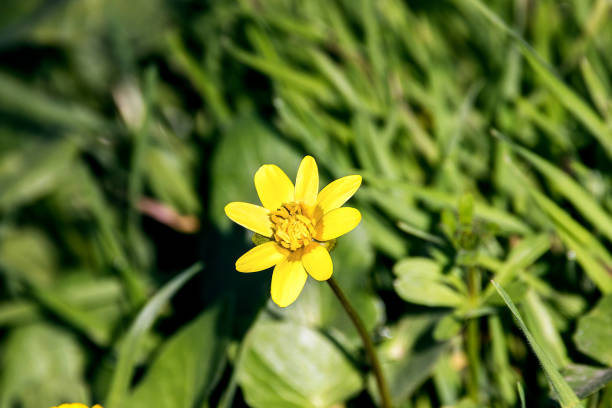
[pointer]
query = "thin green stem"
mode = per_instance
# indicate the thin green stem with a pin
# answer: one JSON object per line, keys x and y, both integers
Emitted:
{"x": 383, "y": 389}
{"x": 473, "y": 335}
{"x": 474, "y": 359}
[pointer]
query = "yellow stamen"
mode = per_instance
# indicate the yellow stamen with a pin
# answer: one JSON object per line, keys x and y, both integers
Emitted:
{"x": 292, "y": 227}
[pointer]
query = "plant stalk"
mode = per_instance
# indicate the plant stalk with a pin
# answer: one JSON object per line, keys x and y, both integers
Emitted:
{"x": 383, "y": 389}
{"x": 473, "y": 336}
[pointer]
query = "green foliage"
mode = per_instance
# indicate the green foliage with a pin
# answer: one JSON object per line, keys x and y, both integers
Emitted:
{"x": 135, "y": 335}
{"x": 482, "y": 130}
{"x": 594, "y": 332}
{"x": 421, "y": 281}
{"x": 188, "y": 365}
{"x": 586, "y": 380}
{"x": 566, "y": 395}
{"x": 41, "y": 365}
{"x": 285, "y": 364}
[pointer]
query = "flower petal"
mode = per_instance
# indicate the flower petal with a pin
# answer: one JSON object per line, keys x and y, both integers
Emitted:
{"x": 307, "y": 181}
{"x": 288, "y": 279}
{"x": 317, "y": 262}
{"x": 273, "y": 186}
{"x": 337, "y": 222}
{"x": 250, "y": 216}
{"x": 337, "y": 193}
{"x": 261, "y": 257}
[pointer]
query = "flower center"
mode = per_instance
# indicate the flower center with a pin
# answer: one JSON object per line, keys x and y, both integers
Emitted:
{"x": 293, "y": 229}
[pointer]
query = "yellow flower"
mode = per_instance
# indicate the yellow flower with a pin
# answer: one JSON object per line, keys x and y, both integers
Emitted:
{"x": 299, "y": 222}
{"x": 76, "y": 405}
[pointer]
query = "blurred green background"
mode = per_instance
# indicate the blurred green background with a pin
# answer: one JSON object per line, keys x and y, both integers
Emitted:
{"x": 483, "y": 131}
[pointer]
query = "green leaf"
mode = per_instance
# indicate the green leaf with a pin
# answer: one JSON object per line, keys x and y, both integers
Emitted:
{"x": 466, "y": 209}
{"x": 404, "y": 365}
{"x": 100, "y": 297}
{"x": 421, "y": 281}
{"x": 567, "y": 397}
{"x": 29, "y": 102}
{"x": 80, "y": 318}
{"x": 34, "y": 170}
{"x": 188, "y": 365}
{"x": 28, "y": 254}
{"x": 122, "y": 376}
{"x": 41, "y": 366}
{"x": 447, "y": 378}
{"x": 448, "y": 327}
{"x": 586, "y": 380}
{"x": 288, "y": 365}
{"x": 593, "y": 334}
{"x": 169, "y": 177}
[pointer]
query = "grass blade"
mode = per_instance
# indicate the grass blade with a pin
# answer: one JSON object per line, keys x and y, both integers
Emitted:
{"x": 567, "y": 397}
{"x": 591, "y": 254}
{"x": 438, "y": 199}
{"x": 143, "y": 322}
{"x": 525, "y": 254}
{"x": 569, "y": 188}
{"x": 206, "y": 86}
{"x": 521, "y": 394}
{"x": 565, "y": 95}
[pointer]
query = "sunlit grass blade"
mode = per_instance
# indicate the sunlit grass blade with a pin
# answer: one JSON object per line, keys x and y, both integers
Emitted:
{"x": 141, "y": 325}
{"x": 591, "y": 254}
{"x": 341, "y": 82}
{"x": 600, "y": 93}
{"x": 439, "y": 199}
{"x": 567, "y": 397}
{"x": 522, "y": 256}
{"x": 503, "y": 371}
{"x": 382, "y": 235}
{"x": 31, "y": 103}
{"x": 399, "y": 207}
{"x": 421, "y": 139}
{"x": 305, "y": 82}
{"x": 594, "y": 266}
{"x": 557, "y": 133}
{"x": 565, "y": 95}
{"x": 569, "y": 188}
{"x": 572, "y": 102}
{"x": 521, "y": 394}
{"x": 38, "y": 170}
{"x": 540, "y": 320}
{"x": 87, "y": 296}
{"x": 411, "y": 230}
{"x": 75, "y": 316}
{"x": 208, "y": 89}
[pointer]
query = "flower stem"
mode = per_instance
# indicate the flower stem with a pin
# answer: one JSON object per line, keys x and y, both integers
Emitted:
{"x": 383, "y": 389}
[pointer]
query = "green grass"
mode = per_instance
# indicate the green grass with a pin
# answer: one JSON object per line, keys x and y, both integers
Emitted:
{"x": 482, "y": 130}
